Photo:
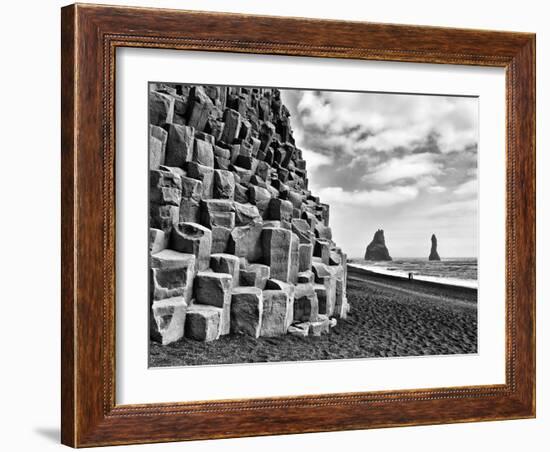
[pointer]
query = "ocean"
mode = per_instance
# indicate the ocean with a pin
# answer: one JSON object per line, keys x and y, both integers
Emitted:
{"x": 454, "y": 271}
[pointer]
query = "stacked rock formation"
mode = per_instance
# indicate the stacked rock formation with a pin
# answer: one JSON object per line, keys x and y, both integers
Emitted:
{"x": 238, "y": 244}
{"x": 433, "y": 252}
{"x": 376, "y": 250}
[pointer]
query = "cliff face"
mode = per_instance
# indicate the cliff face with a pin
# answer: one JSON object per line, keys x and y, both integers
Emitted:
{"x": 376, "y": 250}
{"x": 433, "y": 252}
{"x": 238, "y": 244}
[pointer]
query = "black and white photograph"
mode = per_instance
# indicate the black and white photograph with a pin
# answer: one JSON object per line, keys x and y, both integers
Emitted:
{"x": 246, "y": 226}
{"x": 293, "y": 224}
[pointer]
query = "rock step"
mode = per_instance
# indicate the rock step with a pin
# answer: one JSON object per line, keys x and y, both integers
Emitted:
{"x": 203, "y": 323}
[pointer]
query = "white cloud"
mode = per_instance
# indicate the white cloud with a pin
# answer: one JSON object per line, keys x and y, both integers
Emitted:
{"x": 436, "y": 189}
{"x": 410, "y": 166}
{"x": 346, "y": 143}
{"x": 430, "y": 184}
{"x": 298, "y": 134}
{"x": 314, "y": 159}
{"x": 467, "y": 188}
{"x": 319, "y": 113}
{"x": 390, "y": 138}
{"x": 397, "y": 120}
{"x": 457, "y": 209}
{"x": 374, "y": 198}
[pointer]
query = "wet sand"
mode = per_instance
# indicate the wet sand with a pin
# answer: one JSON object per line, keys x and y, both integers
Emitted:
{"x": 389, "y": 317}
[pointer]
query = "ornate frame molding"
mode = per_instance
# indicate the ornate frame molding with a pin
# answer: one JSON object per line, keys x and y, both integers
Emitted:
{"x": 90, "y": 37}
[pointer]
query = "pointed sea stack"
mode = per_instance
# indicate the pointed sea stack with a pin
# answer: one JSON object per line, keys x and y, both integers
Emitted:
{"x": 433, "y": 252}
{"x": 377, "y": 251}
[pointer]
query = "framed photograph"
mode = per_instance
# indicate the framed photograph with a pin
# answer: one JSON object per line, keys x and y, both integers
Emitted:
{"x": 282, "y": 225}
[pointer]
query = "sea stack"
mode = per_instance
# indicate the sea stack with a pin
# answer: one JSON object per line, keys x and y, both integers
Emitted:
{"x": 433, "y": 252}
{"x": 377, "y": 251}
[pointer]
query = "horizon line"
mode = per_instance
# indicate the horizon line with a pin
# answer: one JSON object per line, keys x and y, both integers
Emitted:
{"x": 418, "y": 257}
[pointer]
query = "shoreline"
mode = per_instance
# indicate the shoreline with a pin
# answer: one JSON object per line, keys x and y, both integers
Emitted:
{"x": 389, "y": 317}
{"x": 381, "y": 272}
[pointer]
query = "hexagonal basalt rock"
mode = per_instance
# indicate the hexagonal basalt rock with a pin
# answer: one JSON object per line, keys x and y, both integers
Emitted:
{"x": 220, "y": 239}
{"x": 267, "y": 130}
{"x": 300, "y": 329}
{"x": 246, "y": 311}
{"x": 276, "y": 244}
{"x": 326, "y": 299}
{"x": 205, "y": 174}
{"x": 168, "y": 258}
{"x": 158, "y": 240}
{"x": 214, "y": 289}
{"x": 302, "y": 228}
{"x": 179, "y": 145}
{"x": 322, "y": 249}
{"x": 244, "y": 241}
{"x": 203, "y": 153}
{"x": 161, "y": 108}
{"x": 294, "y": 259}
{"x": 203, "y": 322}
{"x": 255, "y": 275}
{"x": 224, "y": 184}
{"x": 194, "y": 239}
{"x": 321, "y": 326}
{"x": 164, "y": 188}
{"x": 172, "y": 279}
{"x": 326, "y": 276}
{"x": 241, "y": 193}
{"x": 280, "y": 209}
{"x": 246, "y": 214}
{"x": 260, "y": 197}
{"x": 306, "y": 277}
{"x": 341, "y": 305}
{"x": 167, "y": 320}
{"x": 232, "y": 121}
{"x": 306, "y": 305}
{"x": 305, "y": 254}
{"x": 199, "y": 109}
{"x": 226, "y": 263}
{"x": 218, "y": 212}
{"x": 191, "y": 194}
{"x": 277, "y": 313}
{"x": 276, "y": 284}
{"x": 157, "y": 146}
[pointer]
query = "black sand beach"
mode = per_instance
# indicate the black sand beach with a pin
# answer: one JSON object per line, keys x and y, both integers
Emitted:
{"x": 389, "y": 317}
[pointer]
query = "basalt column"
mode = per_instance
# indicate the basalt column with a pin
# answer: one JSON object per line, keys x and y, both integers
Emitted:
{"x": 238, "y": 243}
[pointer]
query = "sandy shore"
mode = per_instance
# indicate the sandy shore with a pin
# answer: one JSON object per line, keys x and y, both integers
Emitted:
{"x": 389, "y": 317}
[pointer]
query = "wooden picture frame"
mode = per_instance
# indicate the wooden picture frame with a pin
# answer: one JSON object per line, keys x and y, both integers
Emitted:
{"x": 90, "y": 36}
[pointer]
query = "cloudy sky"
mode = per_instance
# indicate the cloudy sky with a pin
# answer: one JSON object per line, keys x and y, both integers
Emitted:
{"x": 403, "y": 163}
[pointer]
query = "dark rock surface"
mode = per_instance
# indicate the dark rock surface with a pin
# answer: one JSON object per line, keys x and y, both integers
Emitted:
{"x": 433, "y": 252}
{"x": 377, "y": 251}
{"x": 246, "y": 311}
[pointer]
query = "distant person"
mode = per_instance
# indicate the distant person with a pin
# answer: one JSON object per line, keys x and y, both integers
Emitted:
{"x": 410, "y": 275}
